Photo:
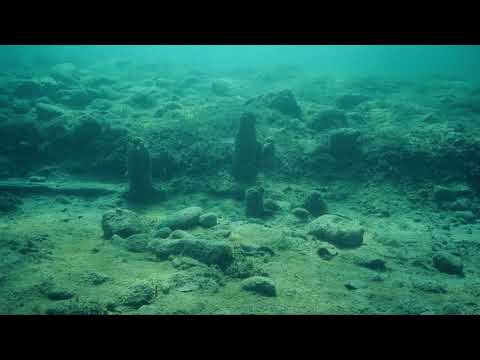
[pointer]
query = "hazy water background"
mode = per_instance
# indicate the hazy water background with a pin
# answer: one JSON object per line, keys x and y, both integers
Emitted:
{"x": 403, "y": 61}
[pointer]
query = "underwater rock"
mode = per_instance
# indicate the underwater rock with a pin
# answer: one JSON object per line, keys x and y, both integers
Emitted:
{"x": 245, "y": 156}
{"x": 7, "y": 167}
{"x": 86, "y": 130}
{"x": 271, "y": 206}
{"x": 283, "y": 101}
{"x": 343, "y": 143}
{"x": 138, "y": 294}
{"x": 450, "y": 194}
{"x": 60, "y": 294}
{"x": 65, "y": 72}
{"x": 77, "y": 98}
{"x": 448, "y": 263}
{"x": 349, "y": 101}
{"x": 28, "y": 89}
{"x": 207, "y": 220}
{"x": 254, "y": 202}
{"x": 37, "y": 179}
{"x": 430, "y": 118}
{"x": 139, "y": 171}
{"x": 77, "y": 307}
{"x": 9, "y": 202}
{"x": 268, "y": 158}
{"x": 123, "y": 223}
{"x": 327, "y": 252}
{"x": 315, "y": 204}
{"x": 179, "y": 234}
{"x": 221, "y": 88}
{"x": 301, "y": 213}
{"x": 339, "y": 231}
{"x": 328, "y": 119}
{"x": 210, "y": 252}
{"x": 256, "y": 239}
{"x": 261, "y": 285}
{"x": 96, "y": 278}
{"x": 183, "y": 219}
{"x": 430, "y": 286}
{"x": 162, "y": 233}
{"x": 355, "y": 285}
{"x": 47, "y": 112}
{"x": 372, "y": 263}
{"x": 143, "y": 99}
{"x": 137, "y": 242}
{"x": 466, "y": 217}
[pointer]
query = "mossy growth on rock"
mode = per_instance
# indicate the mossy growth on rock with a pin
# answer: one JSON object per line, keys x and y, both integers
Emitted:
{"x": 139, "y": 171}
{"x": 245, "y": 157}
{"x": 254, "y": 202}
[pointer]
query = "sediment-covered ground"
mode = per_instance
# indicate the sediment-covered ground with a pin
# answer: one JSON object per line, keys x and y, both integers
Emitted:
{"x": 369, "y": 185}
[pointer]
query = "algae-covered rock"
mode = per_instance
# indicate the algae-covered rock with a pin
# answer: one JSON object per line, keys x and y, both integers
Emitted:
{"x": 9, "y": 202}
{"x": 138, "y": 294}
{"x": 261, "y": 285}
{"x": 211, "y": 252}
{"x": 138, "y": 242}
{"x": 123, "y": 223}
{"x": 183, "y": 219}
{"x": 344, "y": 143}
{"x": 328, "y": 119}
{"x": 207, "y": 220}
{"x": 254, "y": 202}
{"x": 337, "y": 230}
{"x": 139, "y": 170}
{"x": 448, "y": 263}
{"x": 47, "y": 111}
{"x": 349, "y": 101}
{"x": 315, "y": 204}
{"x": 283, "y": 101}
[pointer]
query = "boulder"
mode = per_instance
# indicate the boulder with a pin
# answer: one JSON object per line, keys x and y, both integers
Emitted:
{"x": 344, "y": 143}
{"x": 349, "y": 101}
{"x": 210, "y": 252}
{"x": 328, "y": 119}
{"x": 283, "y": 101}
{"x": 46, "y": 111}
{"x": 301, "y": 213}
{"x": 338, "y": 230}
{"x": 207, "y": 220}
{"x": 448, "y": 263}
{"x": 261, "y": 285}
{"x": 123, "y": 223}
{"x": 183, "y": 219}
{"x": 138, "y": 294}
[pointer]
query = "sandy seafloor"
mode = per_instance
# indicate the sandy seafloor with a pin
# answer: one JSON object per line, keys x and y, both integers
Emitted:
{"x": 416, "y": 136}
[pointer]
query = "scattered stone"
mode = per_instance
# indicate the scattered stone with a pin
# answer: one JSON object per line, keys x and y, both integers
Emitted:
{"x": 449, "y": 194}
{"x": 96, "y": 278}
{"x": 327, "y": 252}
{"x": 207, "y": 220}
{"x": 337, "y": 230}
{"x": 448, "y": 263}
{"x": 431, "y": 118}
{"x": 183, "y": 219}
{"x": 315, "y": 204}
{"x": 60, "y": 294}
{"x": 376, "y": 264}
{"x": 138, "y": 294}
{"x": 9, "y": 202}
{"x": 123, "y": 223}
{"x": 271, "y": 205}
{"x": 467, "y": 217}
{"x": 37, "y": 179}
{"x": 355, "y": 285}
{"x": 429, "y": 286}
{"x": 349, "y": 101}
{"x": 210, "y": 252}
{"x": 301, "y": 213}
{"x": 254, "y": 202}
{"x": 221, "y": 88}
{"x": 77, "y": 307}
{"x": 179, "y": 234}
{"x": 261, "y": 285}
{"x": 328, "y": 119}
{"x": 47, "y": 112}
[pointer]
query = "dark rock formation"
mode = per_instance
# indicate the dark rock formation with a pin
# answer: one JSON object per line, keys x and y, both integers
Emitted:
{"x": 245, "y": 157}
{"x": 139, "y": 171}
{"x": 328, "y": 119}
{"x": 123, "y": 223}
{"x": 315, "y": 204}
